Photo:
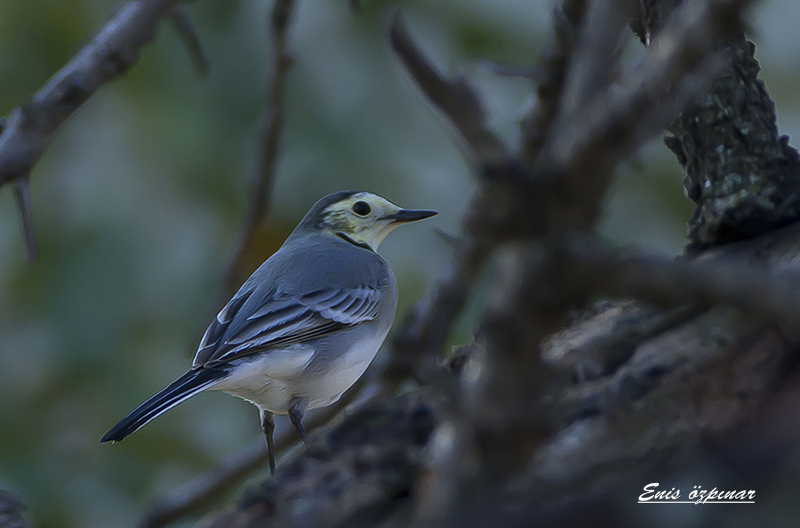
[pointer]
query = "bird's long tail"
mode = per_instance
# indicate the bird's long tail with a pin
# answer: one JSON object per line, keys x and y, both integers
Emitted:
{"x": 180, "y": 390}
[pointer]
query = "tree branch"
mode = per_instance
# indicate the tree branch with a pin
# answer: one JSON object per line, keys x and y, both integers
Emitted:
{"x": 428, "y": 325}
{"x": 361, "y": 470}
{"x": 195, "y": 496}
{"x": 772, "y": 292}
{"x": 270, "y": 127}
{"x": 741, "y": 173}
{"x": 454, "y": 97}
{"x": 11, "y": 512}
{"x": 30, "y": 127}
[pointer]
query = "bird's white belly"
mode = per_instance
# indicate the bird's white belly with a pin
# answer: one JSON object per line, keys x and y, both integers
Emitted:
{"x": 272, "y": 380}
{"x": 327, "y": 387}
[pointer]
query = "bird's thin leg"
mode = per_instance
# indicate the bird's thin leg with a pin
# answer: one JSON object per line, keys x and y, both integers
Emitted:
{"x": 268, "y": 426}
{"x": 296, "y": 410}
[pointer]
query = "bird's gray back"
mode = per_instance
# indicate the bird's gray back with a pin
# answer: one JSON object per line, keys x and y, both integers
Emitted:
{"x": 317, "y": 261}
{"x": 286, "y": 287}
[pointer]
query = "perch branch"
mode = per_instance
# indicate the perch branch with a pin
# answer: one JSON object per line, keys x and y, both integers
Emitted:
{"x": 195, "y": 496}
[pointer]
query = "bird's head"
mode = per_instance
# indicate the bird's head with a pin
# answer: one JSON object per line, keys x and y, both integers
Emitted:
{"x": 361, "y": 218}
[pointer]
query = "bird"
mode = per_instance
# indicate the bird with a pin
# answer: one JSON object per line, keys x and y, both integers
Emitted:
{"x": 304, "y": 326}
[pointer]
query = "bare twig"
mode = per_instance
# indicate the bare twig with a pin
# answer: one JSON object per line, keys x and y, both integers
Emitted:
{"x": 454, "y": 97}
{"x": 29, "y": 129}
{"x": 196, "y": 494}
{"x": 270, "y": 126}
{"x": 551, "y": 76}
{"x": 428, "y": 326}
{"x": 191, "y": 40}
{"x": 596, "y": 53}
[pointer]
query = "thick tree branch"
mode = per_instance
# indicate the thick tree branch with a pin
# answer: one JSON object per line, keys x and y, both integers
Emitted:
{"x": 362, "y": 470}
{"x": 753, "y": 287}
{"x": 741, "y": 173}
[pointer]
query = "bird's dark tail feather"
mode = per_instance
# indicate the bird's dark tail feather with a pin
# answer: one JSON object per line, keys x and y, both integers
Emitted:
{"x": 180, "y": 390}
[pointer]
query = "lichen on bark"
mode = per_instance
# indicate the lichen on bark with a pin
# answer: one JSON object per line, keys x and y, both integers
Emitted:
{"x": 742, "y": 175}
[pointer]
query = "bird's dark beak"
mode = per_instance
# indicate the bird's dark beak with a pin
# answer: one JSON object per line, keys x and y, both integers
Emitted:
{"x": 409, "y": 215}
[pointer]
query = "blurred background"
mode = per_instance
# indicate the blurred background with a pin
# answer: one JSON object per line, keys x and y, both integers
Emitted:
{"x": 137, "y": 204}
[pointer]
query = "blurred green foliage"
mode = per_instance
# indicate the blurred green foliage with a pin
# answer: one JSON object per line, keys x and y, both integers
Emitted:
{"x": 138, "y": 199}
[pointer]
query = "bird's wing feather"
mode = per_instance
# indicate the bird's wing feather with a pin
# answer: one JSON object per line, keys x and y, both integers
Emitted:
{"x": 245, "y": 325}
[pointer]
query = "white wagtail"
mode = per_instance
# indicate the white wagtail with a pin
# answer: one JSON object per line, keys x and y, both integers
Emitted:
{"x": 305, "y": 325}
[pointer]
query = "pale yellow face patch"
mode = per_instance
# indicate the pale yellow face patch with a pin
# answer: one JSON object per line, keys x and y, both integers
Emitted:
{"x": 362, "y": 217}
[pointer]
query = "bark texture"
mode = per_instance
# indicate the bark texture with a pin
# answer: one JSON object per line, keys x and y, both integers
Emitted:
{"x": 741, "y": 173}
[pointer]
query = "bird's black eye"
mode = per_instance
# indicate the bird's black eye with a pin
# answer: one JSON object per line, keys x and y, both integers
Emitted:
{"x": 362, "y": 208}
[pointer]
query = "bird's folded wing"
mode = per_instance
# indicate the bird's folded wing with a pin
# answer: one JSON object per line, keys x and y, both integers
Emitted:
{"x": 242, "y": 328}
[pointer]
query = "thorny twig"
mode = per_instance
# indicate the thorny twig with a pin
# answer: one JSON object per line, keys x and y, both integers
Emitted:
{"x": 22, "y": 192}
{"x": 188, "y": 34}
